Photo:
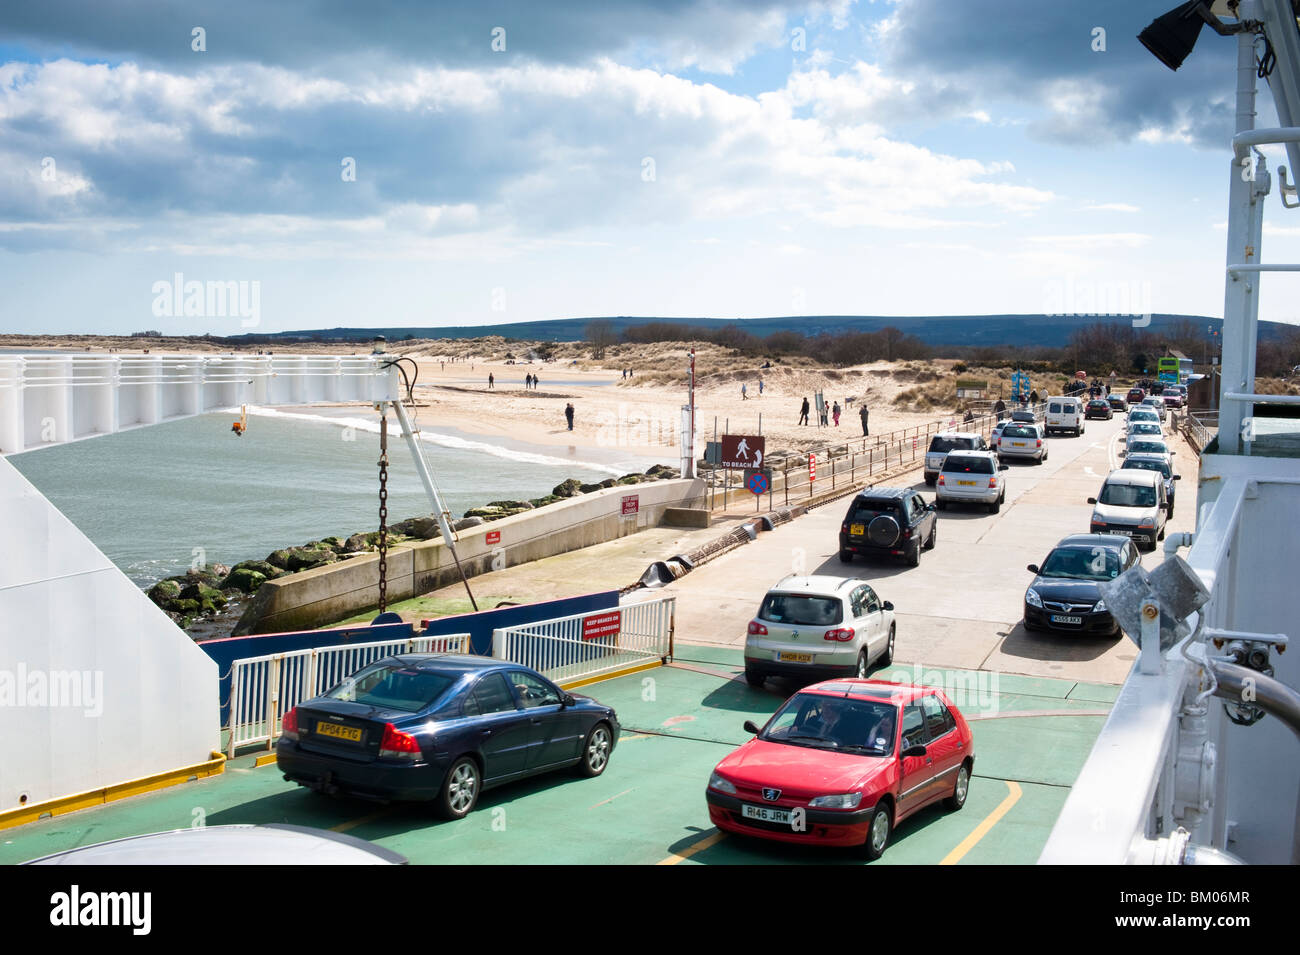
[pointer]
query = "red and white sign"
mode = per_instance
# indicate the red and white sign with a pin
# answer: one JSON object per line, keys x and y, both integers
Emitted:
{"x": 493, "y": 537}
{"x": 743, "y": 450}
{"x": 602, "y": 625}
{"x": 631, "y": 504}
{"x": 812, "y": 466}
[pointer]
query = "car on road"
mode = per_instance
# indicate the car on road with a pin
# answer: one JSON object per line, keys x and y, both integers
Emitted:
{"x": 888, "y": 520}
{"x": 1136, "y": 396}
{"x": 1143, "y": 431}
{"x": 1140, "y": 415}
{"x": 1065, "y": 414}
{"x": 1028, "y": 417}
{"x": 1131, "y": 504}
{"x": 971, "y": 477}
{"x": 947, "y": 441}
{"x": 1117, "y": 403}
{"x": 1145, "y": 444}
{"x": 1064, "y": 595}
{"x": 441, "y": 728}
{"x": 1022, "y": 441}
{"x": 1162, "y": 466}
{"x": 1156, "y": 404}
{"x": 814, "y": 627}
{"x": 842, "y": 763}
{"x": 1099, "y": 408}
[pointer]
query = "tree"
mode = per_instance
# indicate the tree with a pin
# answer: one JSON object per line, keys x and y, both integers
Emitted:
{"x": 600, "y": 335}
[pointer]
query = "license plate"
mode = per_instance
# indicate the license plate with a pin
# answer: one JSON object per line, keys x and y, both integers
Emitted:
{"x": 795, "y": 657}
{"x": 1017, "y": 444}
{"x": 966, "y": 483}
{"x": 1060, "y": 618}
{"x": 764, "y": 814}
{"x": 1121, "y": 533}
{"x": 858, "y": 529}
{"x": 349, "y": 733}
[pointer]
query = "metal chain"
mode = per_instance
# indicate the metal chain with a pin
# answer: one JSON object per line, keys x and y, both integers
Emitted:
{"x": 383, "y": 513}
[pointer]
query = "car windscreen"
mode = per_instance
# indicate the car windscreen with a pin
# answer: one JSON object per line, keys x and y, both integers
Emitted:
{"x": 1019, "y": 432}
{"x": 862, "y": 512}
{"x": 392, "y": 686}
{"x": 1147, "y": 427}
{"x": 1160, "y": 467}
{"x": 865, "y": 727}
{"x": 1098, "y": 404}
{"x": 1081, "y": 563}
{"x": 961, "y": 464}
{"x": 1127, "y": 495}
{"x": 943, "y": 444}
{"x": 1148, "y": 447}
{"x": 801, "y": 610}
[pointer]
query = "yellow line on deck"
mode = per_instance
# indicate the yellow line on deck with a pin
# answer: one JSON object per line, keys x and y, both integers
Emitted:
{"x": 353, "y": 823}
{"x": 965, "y": 846}
{"x": 611, "y": 798}
{"x": 710, "y": 840}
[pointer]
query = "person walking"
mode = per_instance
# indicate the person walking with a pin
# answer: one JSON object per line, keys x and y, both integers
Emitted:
{"x": 534, "y": 382}
{"x": 803, "y": 412}
{"x": 863, "y": 415}
{"x": 760, "y": 387}
{"x": 491, "y": 382}
{"x": 744, "y": 396}
{"x": 835, "y": 412}
{"x": 568, "y": 414}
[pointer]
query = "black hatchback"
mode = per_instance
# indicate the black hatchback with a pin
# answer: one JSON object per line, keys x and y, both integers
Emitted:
{"x": 1065, "y": 596}
{"x": 888, "y": 520}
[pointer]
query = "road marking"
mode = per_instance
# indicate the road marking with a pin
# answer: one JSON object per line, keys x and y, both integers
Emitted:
{"x": 611, "y": 798}
{"x": 353, "y": 823}
{"x": 699, "y": 846}
{"x": 980, "y": 831}
{"x": 1090, "y": 472}
{"x": 628, "y": 739}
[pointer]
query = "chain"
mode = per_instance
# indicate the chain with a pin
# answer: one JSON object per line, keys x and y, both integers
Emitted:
{"x": 383, "y": 513}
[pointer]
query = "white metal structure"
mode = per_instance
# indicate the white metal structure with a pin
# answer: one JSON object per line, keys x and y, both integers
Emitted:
{"x": 1198, "y": 760}
{"x": 263, "y": 689}
{"x": 557, "y": 650}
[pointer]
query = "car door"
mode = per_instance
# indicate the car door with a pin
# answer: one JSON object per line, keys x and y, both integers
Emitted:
{"x": 501, "y": 728}
{"x": 917, "y": 772}
{"x": 946, "y": 748}
{"x": 874, "y": 611}
{"x": 927, "y": 518}
{"x": 552, "y": 727}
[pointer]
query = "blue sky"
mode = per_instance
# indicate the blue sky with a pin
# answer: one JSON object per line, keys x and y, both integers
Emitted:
{"x": 735, "y": 158}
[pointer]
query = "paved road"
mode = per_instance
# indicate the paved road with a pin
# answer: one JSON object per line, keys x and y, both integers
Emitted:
{"x": 962, "y": 606}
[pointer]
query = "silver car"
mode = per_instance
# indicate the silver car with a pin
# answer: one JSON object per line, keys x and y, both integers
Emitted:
{"x": 813, "y": 628}
{"x": 947, "y": 441}
{"x": 1022, "y": 441}
{"x": 971, "y": 477}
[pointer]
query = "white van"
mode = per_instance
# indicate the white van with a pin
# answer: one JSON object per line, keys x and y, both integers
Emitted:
{"x": 1065, "y": 414}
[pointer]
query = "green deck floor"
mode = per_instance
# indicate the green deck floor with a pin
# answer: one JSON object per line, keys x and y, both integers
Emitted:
{"x": 649, "y": 805}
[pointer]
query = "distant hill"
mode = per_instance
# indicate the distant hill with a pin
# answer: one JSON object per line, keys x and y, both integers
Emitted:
{"x": 1051, "y": 331}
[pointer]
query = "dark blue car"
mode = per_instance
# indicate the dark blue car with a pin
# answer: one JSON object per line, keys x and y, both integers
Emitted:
{"x": 441, "y": 728}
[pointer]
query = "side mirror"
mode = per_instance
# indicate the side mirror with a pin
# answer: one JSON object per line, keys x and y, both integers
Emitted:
{"x": 751, "y": 728}
{"x": 567, "y": 700}
{"x": 1178, "y": 477}
{"x": 1004, "y": 467}
{"x": 1032, "y": 568}
{"x": 889, "y": 605}
{"x": 913, "y": 751}
{"x": 1092, "y": 500}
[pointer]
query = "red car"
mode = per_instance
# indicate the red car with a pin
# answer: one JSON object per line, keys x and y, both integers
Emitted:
{"x": 1136, "y": 396}
{"x": 842, "y": 763}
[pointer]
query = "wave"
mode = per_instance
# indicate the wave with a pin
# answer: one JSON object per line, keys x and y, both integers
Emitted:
{"x": 441, "y": 440}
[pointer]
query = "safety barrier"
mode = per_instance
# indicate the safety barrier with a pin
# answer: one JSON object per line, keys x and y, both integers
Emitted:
{"x": 570, "y": 650}
{"x": 263, "y": 689}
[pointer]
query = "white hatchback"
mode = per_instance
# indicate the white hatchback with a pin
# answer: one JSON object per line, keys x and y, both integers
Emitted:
{"x": 816, "y": 627}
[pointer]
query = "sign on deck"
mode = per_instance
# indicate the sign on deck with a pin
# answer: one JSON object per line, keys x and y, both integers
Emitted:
{"x": 602, "y": 625}
{"x": 758, "y": 480}
{"x": 743, "y": 450}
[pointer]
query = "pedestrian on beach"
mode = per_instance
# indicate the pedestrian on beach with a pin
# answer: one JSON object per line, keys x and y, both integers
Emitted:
{"x": 836, "y": 412}
{"x": 743, "y": 395}
{"x": 534, "y": 382}
{"x": 760, "y": 387}
{"x": 491, "y": 381}
{"x": 803, "y": 412}
{"x": 568, "y": 414}
{"x": 863, "y": 415}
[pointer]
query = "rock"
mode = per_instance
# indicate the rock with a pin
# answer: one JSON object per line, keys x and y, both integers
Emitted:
{"x": 466, "y": 523}
{"x": 515, "y": 506}
{"x": 270, "y": 571}
{"x": 333, "y": 543}
{"x": 423, "y": 528}
{"x": 487, "y": 513}
{"x": 202, "y": 575}
{"x": 360, "y": 542}
{"x": 658, "y": 469}
{"x": 186, "y": 608}
{"x": 567, "y": 488}
{"x": 221, "y": 570}
{"x": 301, "y": 558}
{"x": 630, "y": 479}
{"x": 543, "y": 501}
{"x": 245, "y": 580}
{"x": 279, "y": 559}
{"x": 163, "y": 591}
{"x": 588, "y": 488}
{"x": 608, "y": 482}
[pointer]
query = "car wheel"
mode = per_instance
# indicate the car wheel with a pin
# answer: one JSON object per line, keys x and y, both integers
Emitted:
{"x": 1171, "y": 510}
{"x": 931, "y": 480}
{"x": 887, "y": 657}
{"x": 1029, "y": 628}
{"x": 934, "y": 532}
{"x": 595, "y": 751}
{"x": 864, "y": 666}
{"x": 959, "y": 789}
{"x": 995, "y": 506}
{"x": 1161, "y": 535}
{"x": 460, "y": 789}
{"x": 941, "y": 504}
{"x": 754, "y": 678}
{"x": 846, "y": 556}
{"x": 878, "y": 833}
{"x": 914, "y": 554}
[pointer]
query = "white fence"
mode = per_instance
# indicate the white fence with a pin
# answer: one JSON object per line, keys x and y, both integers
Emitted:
{"x": 585, "y": 645}
{"x": 263, "y": 689}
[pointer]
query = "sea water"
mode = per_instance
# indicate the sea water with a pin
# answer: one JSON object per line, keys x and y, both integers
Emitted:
{"x": 162, "y": 499}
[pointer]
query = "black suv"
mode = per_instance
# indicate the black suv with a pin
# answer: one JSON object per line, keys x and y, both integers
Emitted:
{"x": 888, "y": 520}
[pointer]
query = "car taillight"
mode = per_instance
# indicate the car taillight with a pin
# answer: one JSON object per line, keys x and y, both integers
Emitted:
{"x": 844, "y": 528}
{"x": 289, "y": 724}
{"x": 941, "y": 479}
{"x": 840, "y": 634}
{"x": 398, "y": 745}
{"x": 993, "y": 481}
{"x": 756, "y": 629}
{"x": 1040, "y": 443}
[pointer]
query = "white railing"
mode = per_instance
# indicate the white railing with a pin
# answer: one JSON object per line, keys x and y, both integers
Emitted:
{"x": 584, "y": 645}
{"x": 263, "y": 689}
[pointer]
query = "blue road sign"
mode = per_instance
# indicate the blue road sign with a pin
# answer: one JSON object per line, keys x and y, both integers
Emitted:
{"x": 758, "y": 480}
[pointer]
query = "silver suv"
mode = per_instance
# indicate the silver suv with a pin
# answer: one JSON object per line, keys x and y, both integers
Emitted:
{"x": 972, "y": 477}
{"x": 947, "y": 441}
{"x": 812, "y": 628}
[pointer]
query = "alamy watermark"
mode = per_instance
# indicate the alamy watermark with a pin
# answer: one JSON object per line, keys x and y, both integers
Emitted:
{"x": 970, "y": 690}
{"x": 212, "y": 299}
{"x": 1088, "y": 299}
{"x": 55, "y": 689}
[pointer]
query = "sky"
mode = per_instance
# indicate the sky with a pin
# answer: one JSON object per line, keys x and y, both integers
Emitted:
{"x": 243, "y": 166}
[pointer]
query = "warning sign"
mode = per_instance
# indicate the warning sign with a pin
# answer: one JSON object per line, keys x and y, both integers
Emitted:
{"x": 602, "y": 625}
{"x": 631, "y": 504}
{"x": 493, "y": 537}
{"x": 743, "y": 450}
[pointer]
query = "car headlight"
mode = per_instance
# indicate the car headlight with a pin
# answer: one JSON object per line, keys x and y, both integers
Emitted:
{"x": 721, "y": 785}
{"x": 841, "y": 801}
{"x": 1100, "y": 606}
{"x": 1032, "y": 598}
